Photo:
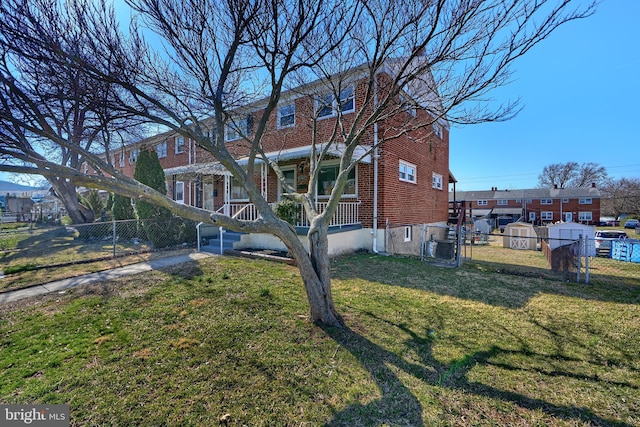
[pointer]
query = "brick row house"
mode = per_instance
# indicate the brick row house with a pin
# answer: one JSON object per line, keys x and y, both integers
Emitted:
{"x": 410, "y": 186}
{"x": 538, "y": 206}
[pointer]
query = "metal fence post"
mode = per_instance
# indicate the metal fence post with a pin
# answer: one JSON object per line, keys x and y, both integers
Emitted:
{"x": 580, "y": 243}
{"x": 114, "y": 238}
{"x": 221, "y": 230}
{"x": 458, "y": 244}
{"x": 586, "y": 260}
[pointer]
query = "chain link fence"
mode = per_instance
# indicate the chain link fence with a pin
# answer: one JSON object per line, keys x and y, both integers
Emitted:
{"x": 426, "y": 241}
{"x": 46, "y": 245}
{"x": 583, "y": 260}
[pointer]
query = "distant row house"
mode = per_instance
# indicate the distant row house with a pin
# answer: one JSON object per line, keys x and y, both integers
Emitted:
{"x": 406, "y": 181}
{"x": 538, "y": 206}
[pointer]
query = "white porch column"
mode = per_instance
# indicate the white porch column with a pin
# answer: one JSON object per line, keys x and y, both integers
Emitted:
{"x": 227, "y": 195}
{"x": 263, "y": 180}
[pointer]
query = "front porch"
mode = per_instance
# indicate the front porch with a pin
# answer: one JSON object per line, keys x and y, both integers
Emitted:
{"x": 347, "y": 213}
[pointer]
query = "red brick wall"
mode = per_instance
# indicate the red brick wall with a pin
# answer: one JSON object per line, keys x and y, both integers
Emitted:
{"x": 399, "y": 202}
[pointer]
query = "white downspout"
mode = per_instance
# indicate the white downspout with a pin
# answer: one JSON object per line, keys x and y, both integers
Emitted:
{"x": 375, "y": 188}
{"x": 375, "y": 168}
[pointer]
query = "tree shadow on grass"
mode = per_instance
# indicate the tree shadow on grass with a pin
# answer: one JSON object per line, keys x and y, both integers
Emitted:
{"x": 399, "y": 406}
{"x": 485, "y": 282}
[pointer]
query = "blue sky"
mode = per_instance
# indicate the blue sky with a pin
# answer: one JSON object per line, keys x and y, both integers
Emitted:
{"x": 579, "y": 89}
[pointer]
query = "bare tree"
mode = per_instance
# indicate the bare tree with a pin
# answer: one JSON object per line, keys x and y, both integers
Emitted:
{"x": 572, "y": 175}
{"x": 221, "y": 58}
{"x": 621, "y": 196}
{"x": 49, "y": 109}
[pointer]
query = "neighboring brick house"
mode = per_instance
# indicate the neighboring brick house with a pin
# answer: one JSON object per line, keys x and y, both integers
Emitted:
{"x": 412, "y": 170}
{"x": 537, "y": 205}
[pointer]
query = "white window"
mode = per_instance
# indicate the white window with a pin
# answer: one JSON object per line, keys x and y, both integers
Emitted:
{"x": 546, "y": 202}
{"x": 327, "y": 106}
{"x": 238, "y": 192}
{"x": 436, "y": 181}
{"x": 585, "y": 201}
{"x": 324, "y": 105}
{"x": 565, "y": 200}
{"x": 327, "y": 180}
{"x": 503, "y": 202}
{"x": 179, "y": 191}
{"x": 161, "y": 149}
{"x": 287, "y": 115}
{"x": 437, "y": 130}
{"x": 546, "y": 216}
{"x": 585, "y": 216}
{"x": 121, "y": 162}
{"x": 133, "y": 155}
{"x": 482, "y": 203}
{"x": 407, "y": 233}
{"x": 236, "y": 129}
{"x": 347, "y": 100}
{"x": 407, "y": 172}
{"x": 179, "y": 144}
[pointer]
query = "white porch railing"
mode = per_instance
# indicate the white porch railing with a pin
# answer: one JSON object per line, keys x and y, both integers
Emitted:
{"x": 347, "y": 213}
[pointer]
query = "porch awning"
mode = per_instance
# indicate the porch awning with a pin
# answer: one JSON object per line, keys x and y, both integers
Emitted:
{"x": 361, "y": 153}
{"x": 507, "y": 211}
{"x": 209, "y": 168}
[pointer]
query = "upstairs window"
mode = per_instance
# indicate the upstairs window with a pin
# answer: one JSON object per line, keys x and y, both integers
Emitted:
{"x": 327, "y": 105}
{"x": 179, "y": 144}
{"x": 482, "y": 203}
{"x": 347, "y": 100}
{"x": 324, "y": 105}
{"x": 585, "y": 201}
{"x": 407, "y": 172}
{"x": 503, "y": 202}
{"x": 287, "y": 115}
{"x": 133, "y": 155}
{"x": 546, "y": 201}
{"x": 161, "y": 149}
{"x": 238, "y": 128}
{"x": 436, "y": 181}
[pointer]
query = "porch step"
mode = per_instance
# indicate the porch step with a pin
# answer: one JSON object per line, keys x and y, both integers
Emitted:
{"x": 228, "y": 239}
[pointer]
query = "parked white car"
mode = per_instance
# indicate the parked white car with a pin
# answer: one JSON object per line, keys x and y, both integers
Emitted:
{"x": 604, "y": 238}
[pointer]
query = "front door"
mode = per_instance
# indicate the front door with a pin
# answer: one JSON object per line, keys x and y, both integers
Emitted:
{"x": 568, "y": 217}
{"x": 290, "y": 176}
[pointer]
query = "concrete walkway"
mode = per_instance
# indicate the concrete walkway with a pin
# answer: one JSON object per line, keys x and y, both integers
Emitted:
{"x": 60, "y": 285}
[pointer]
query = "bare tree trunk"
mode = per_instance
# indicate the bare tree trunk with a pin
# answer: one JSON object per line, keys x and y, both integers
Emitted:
{"x": 66, "y": 191}
{"x": 316, "y": 277}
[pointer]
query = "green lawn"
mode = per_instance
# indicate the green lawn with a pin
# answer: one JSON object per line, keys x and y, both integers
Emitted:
{"x": 229, "y": 339}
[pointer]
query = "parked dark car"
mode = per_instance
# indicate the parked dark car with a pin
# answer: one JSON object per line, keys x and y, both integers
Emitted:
{"x": 632, "y": 223}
